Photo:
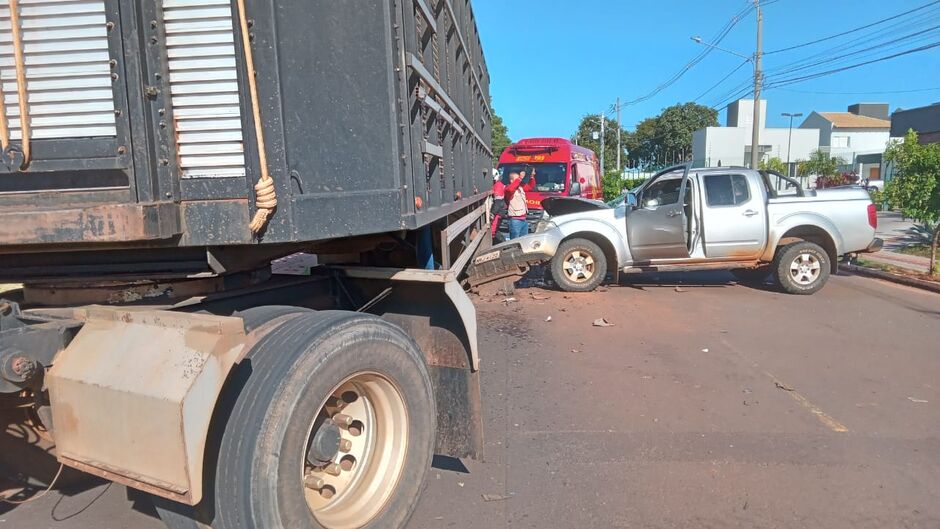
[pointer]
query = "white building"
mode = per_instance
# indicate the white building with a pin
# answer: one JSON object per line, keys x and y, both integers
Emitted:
{"x": 858, "y": 136}
{"x": 731, "y": 145}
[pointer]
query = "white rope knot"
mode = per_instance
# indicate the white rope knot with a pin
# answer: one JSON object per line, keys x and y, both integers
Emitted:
{"x": 265, "y": 201}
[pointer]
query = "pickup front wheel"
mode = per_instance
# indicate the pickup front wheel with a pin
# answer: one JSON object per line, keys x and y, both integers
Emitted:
{"x": 579, "y": 265}
{"x": 802, "y": 267}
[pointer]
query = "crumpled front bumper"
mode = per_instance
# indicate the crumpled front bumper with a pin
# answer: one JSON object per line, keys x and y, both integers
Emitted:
{"x": 515, "y": 257}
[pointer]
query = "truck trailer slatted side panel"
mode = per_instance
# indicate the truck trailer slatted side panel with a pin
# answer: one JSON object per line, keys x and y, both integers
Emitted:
{"x": 380, "y": 107}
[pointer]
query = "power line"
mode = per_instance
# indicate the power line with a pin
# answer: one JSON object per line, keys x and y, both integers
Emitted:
{"x": 817, "y": 75}
{"x": 872, "y": 92}
{"x": 909, "y": 36}
{"x": 723, "y": 79}
{"x": 837, "y": 35}
{"x": 697, "y": 59}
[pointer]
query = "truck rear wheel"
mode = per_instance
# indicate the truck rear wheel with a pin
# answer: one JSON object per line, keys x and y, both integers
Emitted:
{"x": 579, "y": 265}
{"x": 802, "y": 267}
{"x": 333, "y": 428}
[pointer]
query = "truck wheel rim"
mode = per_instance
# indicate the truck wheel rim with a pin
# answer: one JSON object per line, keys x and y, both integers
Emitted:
{"x": 805, "y": 269}
{"x": 350, "y": 488}
{"x": 578, "y": 266}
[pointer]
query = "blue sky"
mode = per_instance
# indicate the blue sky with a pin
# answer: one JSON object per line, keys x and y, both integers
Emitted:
{"x": 552, "y": 61}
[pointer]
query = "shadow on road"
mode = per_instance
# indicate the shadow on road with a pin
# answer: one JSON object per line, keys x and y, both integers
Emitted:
{"x": 28, "y": 465}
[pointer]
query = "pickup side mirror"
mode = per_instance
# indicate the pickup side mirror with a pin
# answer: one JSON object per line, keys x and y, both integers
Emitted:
{"x": 632, "y": 200}
{"x": 575, "y": 189}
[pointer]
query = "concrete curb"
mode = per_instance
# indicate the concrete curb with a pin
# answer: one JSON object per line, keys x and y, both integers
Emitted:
{"x": 894, "y": 278}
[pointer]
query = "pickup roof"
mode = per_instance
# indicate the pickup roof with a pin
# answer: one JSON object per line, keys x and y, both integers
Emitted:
{"x": 753, "y": 223}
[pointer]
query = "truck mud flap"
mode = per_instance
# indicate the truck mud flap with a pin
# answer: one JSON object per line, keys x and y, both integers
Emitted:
{"x": 500, "y": 263}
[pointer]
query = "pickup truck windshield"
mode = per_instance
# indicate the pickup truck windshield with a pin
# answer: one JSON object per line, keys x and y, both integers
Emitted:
{"x": 549, "y": 177}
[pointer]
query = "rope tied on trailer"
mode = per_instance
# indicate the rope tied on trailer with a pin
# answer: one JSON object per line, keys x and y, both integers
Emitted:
{"x": 21, "y": 92}
{"x": 265, "y": 193}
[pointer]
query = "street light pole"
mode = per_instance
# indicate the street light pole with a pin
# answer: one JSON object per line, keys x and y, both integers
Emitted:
{"x": 619, "y": 126}
{"x": 790, "y": 136}
{"x": 755, "y": 132}
{"x": 603, "y": 119}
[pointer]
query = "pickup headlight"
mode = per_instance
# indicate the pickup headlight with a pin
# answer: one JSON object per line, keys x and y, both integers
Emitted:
{"x": 544, "y": 225}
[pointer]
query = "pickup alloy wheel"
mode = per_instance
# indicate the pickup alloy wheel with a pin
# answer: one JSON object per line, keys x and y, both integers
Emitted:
{"x": 802, "y": 267}
{"x": 579, "y": 265}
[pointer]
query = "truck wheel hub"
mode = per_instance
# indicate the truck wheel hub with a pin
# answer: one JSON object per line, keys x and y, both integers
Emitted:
{"x": 325, "y": 444}
{"x": 356, "y": 451}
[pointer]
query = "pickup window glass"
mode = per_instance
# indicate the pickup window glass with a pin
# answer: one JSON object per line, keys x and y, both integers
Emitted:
{"x": 726, "y": 190}
{"x": 662, "y": 192}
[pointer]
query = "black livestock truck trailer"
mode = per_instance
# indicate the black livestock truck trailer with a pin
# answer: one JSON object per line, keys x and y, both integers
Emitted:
{"x": 157, "y": 157}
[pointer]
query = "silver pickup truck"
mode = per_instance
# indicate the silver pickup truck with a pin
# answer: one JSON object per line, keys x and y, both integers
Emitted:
{"x": 753, "y": 223}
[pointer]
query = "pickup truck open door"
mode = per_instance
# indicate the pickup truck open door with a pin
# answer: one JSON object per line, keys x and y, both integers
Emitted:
{"x": 658, "y": 227}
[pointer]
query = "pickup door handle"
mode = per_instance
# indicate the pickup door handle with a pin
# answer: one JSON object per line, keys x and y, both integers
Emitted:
{"x": 673, "y": 213}
{"x": 749, "y": 213}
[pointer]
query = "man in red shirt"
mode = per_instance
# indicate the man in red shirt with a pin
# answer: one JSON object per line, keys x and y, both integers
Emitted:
{"x": 499, "y": 204}
{"x": 519, "y": 183}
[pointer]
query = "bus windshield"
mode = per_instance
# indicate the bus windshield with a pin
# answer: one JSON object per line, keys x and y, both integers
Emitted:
{"x": 549, "y": 177}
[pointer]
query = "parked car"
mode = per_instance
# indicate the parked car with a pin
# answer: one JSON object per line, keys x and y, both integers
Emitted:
{"x": 696, "y": 219}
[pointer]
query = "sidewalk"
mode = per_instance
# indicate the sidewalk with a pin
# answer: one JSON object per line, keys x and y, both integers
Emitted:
{"x": 899, "y": 260}
{"x": 898, "y": 233}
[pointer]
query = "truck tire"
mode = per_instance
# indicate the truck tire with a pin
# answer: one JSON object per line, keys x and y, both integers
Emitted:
{"x": 579, "y": 265}
{"x": 801, "y": 267}
{"x": 333, "y": 426}
{"x": 751, "y": 275}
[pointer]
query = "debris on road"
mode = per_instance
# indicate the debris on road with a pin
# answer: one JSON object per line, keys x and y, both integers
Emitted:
{"x": 538, "y": 297}
{"x": 602, "y": 322}
{"x": 680, "y": 289}
{"x": 705, "y": 350}
{"x": 510, "y": 300}
{"x": 783, "y": 386}
{"x": 548, "y": 318}
{"x": 575, "y": 351}
{"x": 496, "y": 497}
{"x": 918, "y": 401}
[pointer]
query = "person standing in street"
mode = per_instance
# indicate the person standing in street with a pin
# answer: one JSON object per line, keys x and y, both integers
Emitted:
{"x": 498, "y": 212}
{"x": 519, "y": 183}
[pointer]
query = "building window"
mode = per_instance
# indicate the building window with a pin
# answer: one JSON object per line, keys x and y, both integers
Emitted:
{"x": 840, "y": 142}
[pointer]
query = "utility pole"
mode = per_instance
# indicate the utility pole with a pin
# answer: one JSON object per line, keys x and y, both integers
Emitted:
{"x": 603, "y": 119}
{"x": 619, "y": 127}
{"x": 755, "y": 133}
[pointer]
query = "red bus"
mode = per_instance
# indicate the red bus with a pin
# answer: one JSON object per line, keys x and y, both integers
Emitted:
{"x": 562, "y": 169}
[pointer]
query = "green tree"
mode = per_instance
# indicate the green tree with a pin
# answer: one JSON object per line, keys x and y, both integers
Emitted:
{"x": 825, "y": 167}
{"x": 774, "y": 164}
{"x": 613, "y": 183}
{"x": 584, "y": 137}
{"x": 501, "y": 138}
{"x": 667, "y": 138}
{"x": 915, "y": 186}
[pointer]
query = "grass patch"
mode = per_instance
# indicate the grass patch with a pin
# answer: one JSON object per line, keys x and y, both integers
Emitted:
{"x": 898, "y": 271}
{"x": 920, "y": 250}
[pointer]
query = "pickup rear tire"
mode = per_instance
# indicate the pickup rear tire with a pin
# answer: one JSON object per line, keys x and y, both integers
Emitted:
{"x": 333, "y": 427}
{"x": 802, "y": 268}
{"x": 579, "y": 265}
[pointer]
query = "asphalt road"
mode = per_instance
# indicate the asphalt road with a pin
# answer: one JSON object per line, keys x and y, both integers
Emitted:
{"x": 707, "y": 405}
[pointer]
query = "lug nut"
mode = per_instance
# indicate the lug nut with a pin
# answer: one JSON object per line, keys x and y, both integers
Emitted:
{"x": 332, "y": 469}
{"x": 342, "y": 420}
{"x": 345, "y": 445}
{"x": 313, "y": 482}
